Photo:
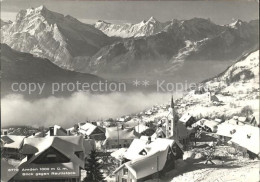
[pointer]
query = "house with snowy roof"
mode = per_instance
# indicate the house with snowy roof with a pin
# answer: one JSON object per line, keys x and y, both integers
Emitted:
{"x": 58, "y": 158}
{"x": 11, "y": 145}
{"x": 226, "y": 131}
{"x": 148, "y": 159}
{"x": 246, "y": 139}
{"x": 187, "y": 119}
{"x": 92, "y": 131}
{"x": 56, "y": 130}
{"x": 207, "y": 125}
{"x": 118, "y": 137}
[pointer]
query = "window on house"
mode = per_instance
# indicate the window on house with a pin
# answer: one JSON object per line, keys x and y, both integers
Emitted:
{"x": 125, "y": 171}
{"x": 124, "y": 180}
{"x": 79, "y": 154}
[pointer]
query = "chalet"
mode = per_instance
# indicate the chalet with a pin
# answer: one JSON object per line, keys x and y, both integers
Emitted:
{"x": 117, "y": 137}
{"x": 207, "y": 125}
{"x": 11, "y": 145}
{"x": 148, "y": 159}
{"x": 187, "y": 119}
{"x": 56, "y": 131}
{"x": 246, "y": 139}
{"x": 92, "y": 131}
{"x": 52, "y": 158}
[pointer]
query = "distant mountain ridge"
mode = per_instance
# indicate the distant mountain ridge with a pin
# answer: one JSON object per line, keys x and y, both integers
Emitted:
{"x": 144, "y": 28}
{"x": 148, "y": 48}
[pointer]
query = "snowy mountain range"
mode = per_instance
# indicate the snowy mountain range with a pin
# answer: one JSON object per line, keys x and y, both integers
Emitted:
{"x": 62, "y": 39}
{"x": 180, "y": 46}
{"x": 144, "y": 28}
{"x": 147, "y": 48}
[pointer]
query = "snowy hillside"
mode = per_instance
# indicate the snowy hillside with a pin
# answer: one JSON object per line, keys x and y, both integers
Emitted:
{"x": 233, "y": 89}
{"x": 240, "y": 77}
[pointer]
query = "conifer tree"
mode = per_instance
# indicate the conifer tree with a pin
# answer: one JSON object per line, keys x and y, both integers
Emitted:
{"x": 93, "y": 168}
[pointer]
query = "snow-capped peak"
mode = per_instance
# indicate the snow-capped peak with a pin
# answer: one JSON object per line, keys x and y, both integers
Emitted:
{"x": 236, "y": 24}
{"x": 153, "y": 20}
{"x": 144, "y": 28}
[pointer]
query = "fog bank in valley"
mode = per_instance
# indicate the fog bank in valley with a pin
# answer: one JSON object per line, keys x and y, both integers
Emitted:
{"x": 16, "y": 110}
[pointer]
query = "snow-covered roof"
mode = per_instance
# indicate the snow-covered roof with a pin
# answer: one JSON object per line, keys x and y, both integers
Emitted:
{"x": 136, "y": 146}
{"x": 147, "y": 165}
{"x": 227, "y": 129}
{"x": 38, "y": 134}
{"x": 58, "y": 131}
{"x": 12, "y": 141}
{"x": 118, "y": 154}
{"x": 139, "y": 145}
{"x": 248, "y": 137}
{"x": 242, "y": 119}
{"x": 113, "y": 132}
{"x": 67, "y": 145}
{"x": 205, "y": 122}
{"x": 234, "y": 122}
{"x": 141, "y": 128}
{"x": 88, "y": 129}
{"x": 211, "y": 124}
{"x": 185, "y": 118}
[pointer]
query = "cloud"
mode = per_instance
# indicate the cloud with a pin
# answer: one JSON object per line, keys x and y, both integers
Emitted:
{"x": 77, "y": 108}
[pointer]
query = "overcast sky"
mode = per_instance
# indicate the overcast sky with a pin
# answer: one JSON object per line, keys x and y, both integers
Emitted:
{"x": 220, "y": 12}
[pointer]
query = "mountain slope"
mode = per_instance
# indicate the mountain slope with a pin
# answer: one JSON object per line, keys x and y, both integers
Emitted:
{"x": 3, "y": 23}
{"x": 17, "y": 67}
{"x": 62, "y": 39}
{"x": 241, "y": 76}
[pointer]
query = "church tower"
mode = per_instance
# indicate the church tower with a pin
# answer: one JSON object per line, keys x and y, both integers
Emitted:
{"x": 173, "y": 126}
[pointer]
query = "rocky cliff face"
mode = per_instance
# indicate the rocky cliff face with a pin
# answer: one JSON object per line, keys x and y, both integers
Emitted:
{"x": 62, "y": 39}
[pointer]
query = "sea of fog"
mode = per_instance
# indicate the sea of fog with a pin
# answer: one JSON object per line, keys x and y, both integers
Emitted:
{"x": 79, "y": 107}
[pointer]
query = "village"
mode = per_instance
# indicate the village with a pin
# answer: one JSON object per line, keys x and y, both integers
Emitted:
{"x": 157, "y": 144}
{"x": 211, "y": 133}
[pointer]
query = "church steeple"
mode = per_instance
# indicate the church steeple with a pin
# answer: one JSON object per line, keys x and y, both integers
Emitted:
{"x": 172, "y": 103}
